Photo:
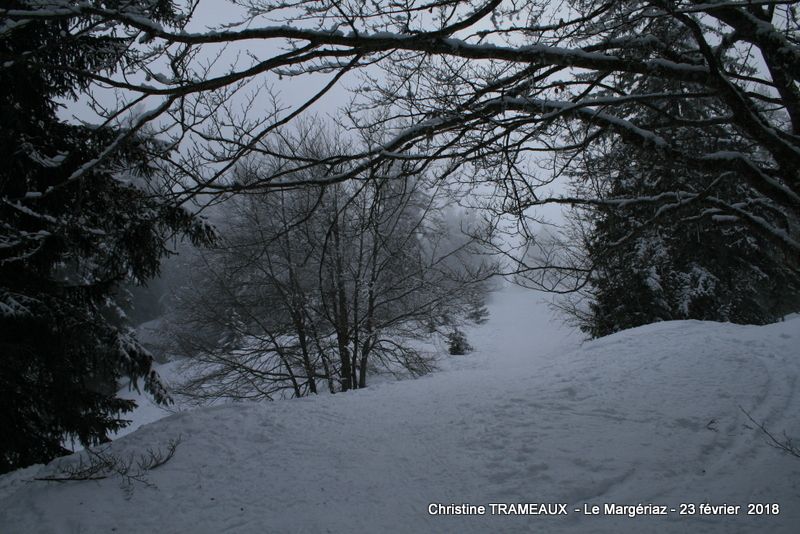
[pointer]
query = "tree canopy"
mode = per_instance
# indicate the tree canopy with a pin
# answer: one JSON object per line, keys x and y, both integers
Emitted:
{"x": 480, "y": 88}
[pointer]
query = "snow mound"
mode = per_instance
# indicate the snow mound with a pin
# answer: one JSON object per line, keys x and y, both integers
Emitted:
{"x": 653, "y": 415}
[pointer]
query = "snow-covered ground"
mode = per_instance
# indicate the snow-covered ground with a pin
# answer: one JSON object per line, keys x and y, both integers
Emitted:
{"x": 650, "y": 416}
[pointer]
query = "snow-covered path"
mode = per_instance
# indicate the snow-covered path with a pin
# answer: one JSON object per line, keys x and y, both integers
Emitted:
{"x": 649, "y": 415}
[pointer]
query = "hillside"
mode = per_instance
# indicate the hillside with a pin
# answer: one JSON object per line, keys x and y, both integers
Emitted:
{"x": 651, "y": 415}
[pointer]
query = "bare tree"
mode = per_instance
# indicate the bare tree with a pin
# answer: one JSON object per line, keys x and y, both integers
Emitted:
{"x": 317, "y": 287}
{"x": 475, "y": 89}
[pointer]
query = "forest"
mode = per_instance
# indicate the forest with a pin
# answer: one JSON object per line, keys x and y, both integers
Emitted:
{"x": 307, "y": 196}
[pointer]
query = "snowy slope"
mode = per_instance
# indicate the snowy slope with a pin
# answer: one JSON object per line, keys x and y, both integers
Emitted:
{"x": 650, "y": 415}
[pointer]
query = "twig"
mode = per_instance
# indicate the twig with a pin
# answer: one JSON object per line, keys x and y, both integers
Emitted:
{"x": 787, "y": 445}
{"x": 100, "y": 464}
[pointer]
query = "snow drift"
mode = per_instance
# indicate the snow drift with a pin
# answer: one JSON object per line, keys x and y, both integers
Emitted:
{"x": 653, "y": 415}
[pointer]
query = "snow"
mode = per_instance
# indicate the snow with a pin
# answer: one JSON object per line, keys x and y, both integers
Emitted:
{"x": 650, "y": 415}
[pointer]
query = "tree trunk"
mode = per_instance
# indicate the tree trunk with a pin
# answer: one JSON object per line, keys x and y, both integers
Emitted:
{"x": 340, "y": 299}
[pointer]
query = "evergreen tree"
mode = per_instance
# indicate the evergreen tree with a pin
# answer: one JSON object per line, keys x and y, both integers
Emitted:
{"x": 73, "y": 226}
{"x": 457, "y": 343}
{"x": 685, "y": 265}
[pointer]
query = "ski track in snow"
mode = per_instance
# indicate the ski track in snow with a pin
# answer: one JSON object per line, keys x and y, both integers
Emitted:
{"x": 649, "y": 415}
